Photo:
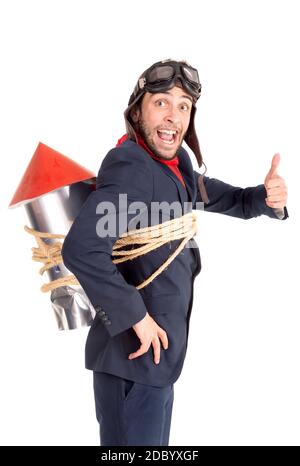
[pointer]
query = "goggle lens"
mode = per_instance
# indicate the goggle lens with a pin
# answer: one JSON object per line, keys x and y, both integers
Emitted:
{"x": 160, "y": 73}
{"x": 191, "y": 75}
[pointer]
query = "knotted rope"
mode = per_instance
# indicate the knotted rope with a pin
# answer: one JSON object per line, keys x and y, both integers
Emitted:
{"x": 184, "y": 227}
{"x": 49, "y": 255}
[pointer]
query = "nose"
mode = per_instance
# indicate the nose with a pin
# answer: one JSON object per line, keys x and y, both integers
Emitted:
{"x": 172, "y": 115}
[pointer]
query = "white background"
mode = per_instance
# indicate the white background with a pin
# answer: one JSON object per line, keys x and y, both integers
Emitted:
{"x": 67, "y": 70}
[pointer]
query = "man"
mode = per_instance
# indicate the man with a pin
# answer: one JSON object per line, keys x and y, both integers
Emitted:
{"x": 137, "y": 342}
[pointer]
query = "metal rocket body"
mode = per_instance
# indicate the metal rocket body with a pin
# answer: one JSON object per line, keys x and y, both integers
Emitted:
{"x": 52, "y": 191}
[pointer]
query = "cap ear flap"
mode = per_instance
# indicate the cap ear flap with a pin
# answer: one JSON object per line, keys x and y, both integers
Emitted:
{"x": 192, "y": 141}
{"x": 191, "y": 137}
{"x": 129, "y": 129}
{"x": 129, "y": 121}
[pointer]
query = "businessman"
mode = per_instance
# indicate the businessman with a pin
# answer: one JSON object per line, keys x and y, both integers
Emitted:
{"x": 137, "y": 343}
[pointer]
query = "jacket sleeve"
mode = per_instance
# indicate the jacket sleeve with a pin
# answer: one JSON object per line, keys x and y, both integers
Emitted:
{"x": 237, "y": 202}
{"x": 87, "y": 253}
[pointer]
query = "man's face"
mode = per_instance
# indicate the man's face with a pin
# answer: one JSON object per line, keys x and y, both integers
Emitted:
{"x": 163, "y": 120}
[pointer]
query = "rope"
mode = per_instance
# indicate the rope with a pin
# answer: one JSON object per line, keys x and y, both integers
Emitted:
{"x": 49, "y": 255}
{"x": 184, "y": 227}
{"x": 181, "y": 227}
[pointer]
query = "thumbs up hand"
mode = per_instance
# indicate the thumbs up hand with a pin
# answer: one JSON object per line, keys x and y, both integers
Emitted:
{"x": 275, "y": 186}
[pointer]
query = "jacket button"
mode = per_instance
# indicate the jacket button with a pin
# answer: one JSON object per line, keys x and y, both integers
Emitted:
{"x": 101, "y": 313}
{"x": 104, "y": 317}
{"x": 97, "y": 308}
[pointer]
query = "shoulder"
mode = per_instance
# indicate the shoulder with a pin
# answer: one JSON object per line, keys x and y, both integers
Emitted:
{"x": 184, "y": 156}
{"x": 185, "y": 162}
{"x": 128, "y": 153}
{"x": 126, "y": 168}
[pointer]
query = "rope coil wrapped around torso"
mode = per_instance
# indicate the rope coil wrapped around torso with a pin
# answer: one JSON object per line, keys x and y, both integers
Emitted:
{"x": 184, "y": 227}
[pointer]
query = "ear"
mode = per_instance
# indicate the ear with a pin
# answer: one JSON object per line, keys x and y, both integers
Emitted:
{"x": 135, "y": 114}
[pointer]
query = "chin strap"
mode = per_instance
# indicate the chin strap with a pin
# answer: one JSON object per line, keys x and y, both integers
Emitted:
{"x": 202, "y": 188}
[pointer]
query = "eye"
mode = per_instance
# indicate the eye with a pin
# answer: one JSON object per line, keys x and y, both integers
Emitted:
{"x": 160, "y": 103}
{"x": 185, "y": 107}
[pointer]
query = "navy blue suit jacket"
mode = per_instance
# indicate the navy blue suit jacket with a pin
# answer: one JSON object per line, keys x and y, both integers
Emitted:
{"x": 111, "y": 287}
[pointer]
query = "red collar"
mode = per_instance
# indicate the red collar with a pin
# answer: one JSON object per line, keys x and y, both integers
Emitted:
{"x": 173, "y": 164}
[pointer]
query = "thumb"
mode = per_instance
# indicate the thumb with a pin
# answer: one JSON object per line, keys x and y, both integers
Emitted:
{"x": 274, "y": 165}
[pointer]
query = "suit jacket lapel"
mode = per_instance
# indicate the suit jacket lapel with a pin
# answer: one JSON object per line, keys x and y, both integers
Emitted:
{"x": 179, "y": 185}
{"x": 188, "y": 179}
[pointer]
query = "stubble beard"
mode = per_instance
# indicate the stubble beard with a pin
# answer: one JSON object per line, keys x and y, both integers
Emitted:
{"x": 146, "y": 135}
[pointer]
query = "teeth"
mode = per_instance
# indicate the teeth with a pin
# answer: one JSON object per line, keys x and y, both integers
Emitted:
{"x": 167, "y": 131}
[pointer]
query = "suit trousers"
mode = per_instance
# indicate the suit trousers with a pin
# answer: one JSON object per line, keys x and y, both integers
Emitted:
{"x": 131, "y": 413}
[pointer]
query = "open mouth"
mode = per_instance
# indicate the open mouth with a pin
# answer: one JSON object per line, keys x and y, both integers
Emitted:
{"x": 168, "y": 136}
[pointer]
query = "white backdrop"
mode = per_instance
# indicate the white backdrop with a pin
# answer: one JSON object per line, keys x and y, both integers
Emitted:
{"x": 68, "y": 68}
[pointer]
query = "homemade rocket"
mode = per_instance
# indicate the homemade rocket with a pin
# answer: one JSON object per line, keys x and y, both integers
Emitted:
{"x": 52, "y": 191}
